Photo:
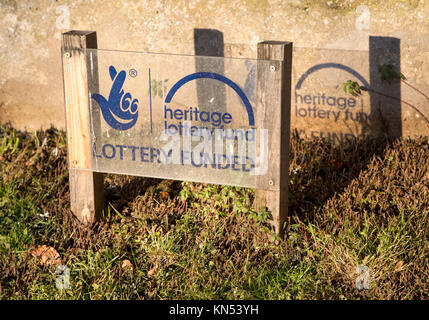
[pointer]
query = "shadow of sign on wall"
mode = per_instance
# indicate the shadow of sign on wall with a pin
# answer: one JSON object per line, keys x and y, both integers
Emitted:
{"x": 324, "y": 110}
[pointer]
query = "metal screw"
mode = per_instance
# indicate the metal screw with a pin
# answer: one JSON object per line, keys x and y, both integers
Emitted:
{"x": 67, "y": 55}
{"x": 273, "y": 68}
{"x": 271, "y": 182}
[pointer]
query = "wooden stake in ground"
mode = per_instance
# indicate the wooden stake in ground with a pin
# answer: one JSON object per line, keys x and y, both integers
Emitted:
{"x": 274, "y": 94}
{"x": 86, "y": 186}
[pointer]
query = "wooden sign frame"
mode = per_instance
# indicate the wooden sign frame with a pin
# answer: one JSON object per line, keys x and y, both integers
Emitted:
{"x": 86, "y": 186}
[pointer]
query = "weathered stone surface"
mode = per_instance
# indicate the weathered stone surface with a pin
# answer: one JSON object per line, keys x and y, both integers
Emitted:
{"x": 30, "y": 61}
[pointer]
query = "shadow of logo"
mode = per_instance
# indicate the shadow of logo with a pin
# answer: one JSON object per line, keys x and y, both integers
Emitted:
{"x": 120, "y": 111}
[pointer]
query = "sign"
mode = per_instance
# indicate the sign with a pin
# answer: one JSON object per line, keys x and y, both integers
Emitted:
{"x": 196, "y": 118}
{"x": 180, "y": 117}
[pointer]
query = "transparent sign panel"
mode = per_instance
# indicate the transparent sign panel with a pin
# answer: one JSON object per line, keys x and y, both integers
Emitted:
{"x": 179, "y": 117}
{"x": 320, "y": 107}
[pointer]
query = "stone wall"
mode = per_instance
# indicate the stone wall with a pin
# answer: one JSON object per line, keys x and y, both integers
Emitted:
{"x": 356, "y": 34}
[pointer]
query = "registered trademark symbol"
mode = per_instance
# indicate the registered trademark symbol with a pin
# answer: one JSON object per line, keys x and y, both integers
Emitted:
{"x": 133, "y": 73}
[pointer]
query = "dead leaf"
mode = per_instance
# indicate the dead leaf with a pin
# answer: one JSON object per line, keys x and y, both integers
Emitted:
{"x": 154, "y": 270}
{"x": 165, "y": 195}
{"x": 399, "y": 265}
{"x": 127, "y": 266}
{"x": 336, "y": 164}
{"x": 46, "y": 255}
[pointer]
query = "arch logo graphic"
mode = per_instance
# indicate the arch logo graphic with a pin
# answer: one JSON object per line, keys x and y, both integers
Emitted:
{"x": 210, "y": 75}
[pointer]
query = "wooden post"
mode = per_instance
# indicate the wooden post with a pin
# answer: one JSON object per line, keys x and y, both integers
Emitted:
{"x": 86, "y": 186}
{"x": 274, "y": 94}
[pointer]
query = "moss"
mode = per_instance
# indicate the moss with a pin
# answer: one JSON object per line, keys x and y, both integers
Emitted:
{"x": 257, "y": 5}
{"x": 330, "y": 6}
{"x": 9, "y": 4}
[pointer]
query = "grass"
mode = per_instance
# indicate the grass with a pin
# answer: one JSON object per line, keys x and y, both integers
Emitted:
{"x": 366, "y": 203}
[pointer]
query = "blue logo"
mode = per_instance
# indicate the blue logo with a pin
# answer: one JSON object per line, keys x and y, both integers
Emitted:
{"x": 219, "y": 77}
{"x": 120, "y": 110}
